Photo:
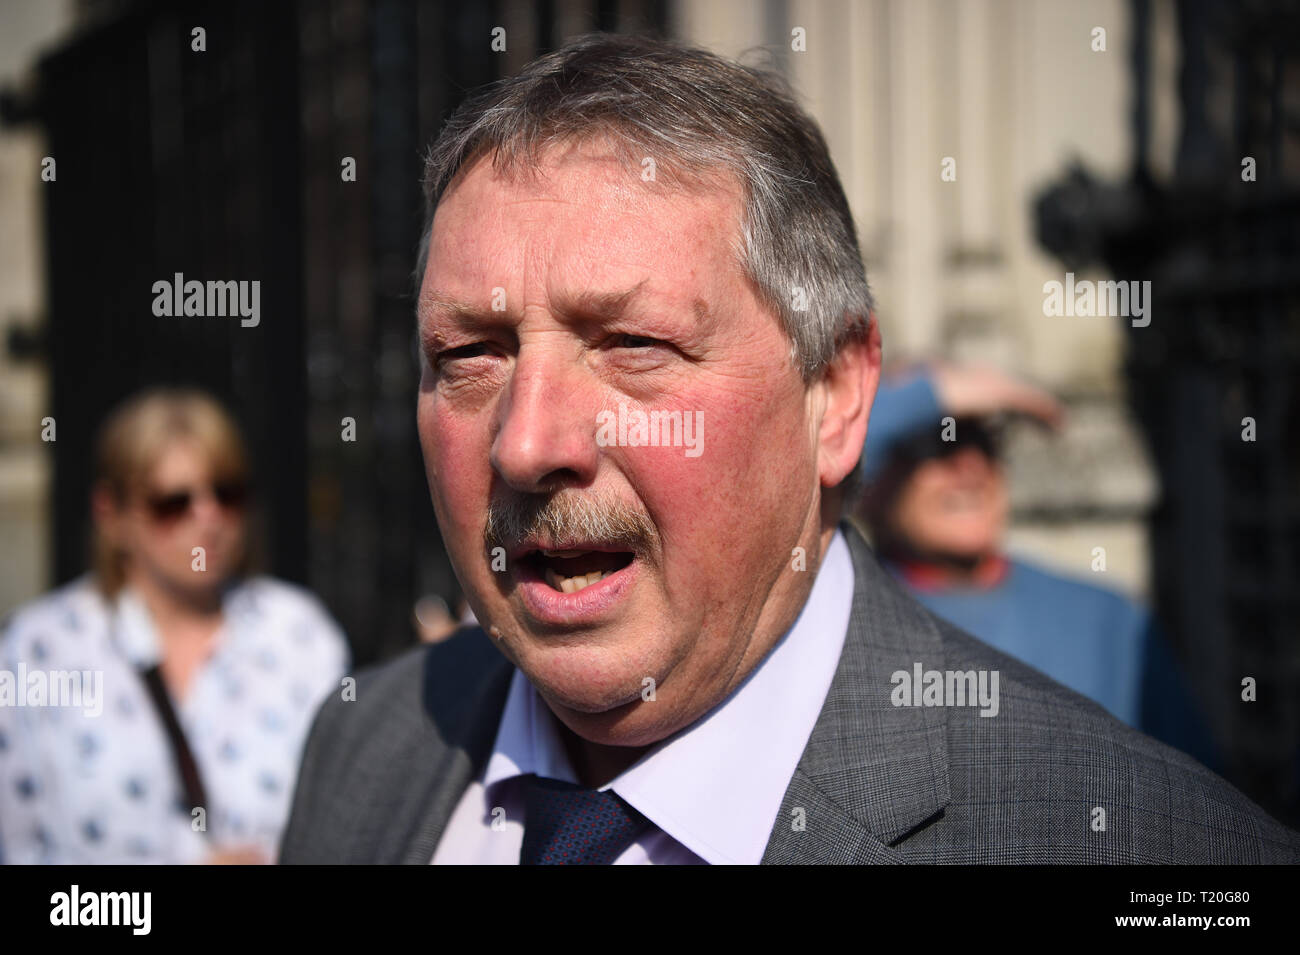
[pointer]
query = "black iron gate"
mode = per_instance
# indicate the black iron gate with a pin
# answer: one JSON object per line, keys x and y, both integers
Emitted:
{"x": 1215, "y": 378}
{"x": 226, "y": 164}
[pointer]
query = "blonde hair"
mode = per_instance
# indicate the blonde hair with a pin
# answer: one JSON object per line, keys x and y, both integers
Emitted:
{"x": 132, "y": 441}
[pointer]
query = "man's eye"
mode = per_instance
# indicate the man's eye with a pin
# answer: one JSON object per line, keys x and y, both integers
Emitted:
{"x": 464, "y": 351}
{"x": 635, "y": 341}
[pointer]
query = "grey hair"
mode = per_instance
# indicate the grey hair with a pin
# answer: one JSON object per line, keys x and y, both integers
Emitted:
{"x": 703, "y": 114}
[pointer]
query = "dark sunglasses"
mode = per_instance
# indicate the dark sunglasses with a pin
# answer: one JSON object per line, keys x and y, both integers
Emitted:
{"x": 969, "y": 432}
{"x": 169, "y": 506}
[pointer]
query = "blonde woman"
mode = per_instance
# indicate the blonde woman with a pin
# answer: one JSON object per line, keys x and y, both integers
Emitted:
{"x": 198, "y": 679}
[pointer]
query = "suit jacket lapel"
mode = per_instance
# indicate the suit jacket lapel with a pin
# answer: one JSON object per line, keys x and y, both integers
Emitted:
{"x": 871, "y": 772}
{"x": 459, "y": 726}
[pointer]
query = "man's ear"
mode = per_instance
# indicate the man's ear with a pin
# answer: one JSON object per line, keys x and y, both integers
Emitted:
{"x": 850, "y": 382}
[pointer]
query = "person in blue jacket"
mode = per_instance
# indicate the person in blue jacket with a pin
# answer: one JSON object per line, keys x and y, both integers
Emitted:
{"x": 936, "y": 502}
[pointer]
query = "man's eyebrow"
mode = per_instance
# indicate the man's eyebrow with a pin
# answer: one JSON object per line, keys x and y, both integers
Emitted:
{"x": 584, "y": 303}
{"x": 602, "y": 304}
{"x": 435, "y": 301}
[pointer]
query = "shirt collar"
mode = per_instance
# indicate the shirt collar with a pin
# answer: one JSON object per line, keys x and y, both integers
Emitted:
{"x": 717, "y": 785}
{"x": 527, "y": 739}
{"x": 133, "y": 630}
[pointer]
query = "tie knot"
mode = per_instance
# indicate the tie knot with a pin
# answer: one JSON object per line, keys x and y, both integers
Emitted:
{"x": 566, "y": 824}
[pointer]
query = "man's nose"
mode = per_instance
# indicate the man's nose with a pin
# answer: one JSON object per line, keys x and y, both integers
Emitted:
{"x": 547, "y": 431}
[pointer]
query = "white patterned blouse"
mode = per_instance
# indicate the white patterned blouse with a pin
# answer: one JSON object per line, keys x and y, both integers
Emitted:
{"x": 87, "y": 773}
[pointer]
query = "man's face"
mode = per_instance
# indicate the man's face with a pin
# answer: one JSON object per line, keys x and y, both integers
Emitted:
{"x": 953, "y": 506}
{"x": 695, "y": 548}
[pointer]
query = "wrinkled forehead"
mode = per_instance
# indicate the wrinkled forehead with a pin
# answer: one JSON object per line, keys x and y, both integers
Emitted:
{"x": 625, "y": 157}
{"x": 585, "y": 214}
{"x": 603, "y": 180}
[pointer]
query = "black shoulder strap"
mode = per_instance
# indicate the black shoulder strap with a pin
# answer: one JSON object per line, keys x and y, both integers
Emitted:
{"x": 189, "y": 769}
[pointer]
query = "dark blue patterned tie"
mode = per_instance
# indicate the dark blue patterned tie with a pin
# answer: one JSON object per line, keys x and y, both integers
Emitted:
{"x": 566, "y": 824}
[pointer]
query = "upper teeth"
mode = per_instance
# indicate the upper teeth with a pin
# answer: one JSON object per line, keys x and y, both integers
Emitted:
{"x": 573, "y": 584}
{"x": 563, "y": 553}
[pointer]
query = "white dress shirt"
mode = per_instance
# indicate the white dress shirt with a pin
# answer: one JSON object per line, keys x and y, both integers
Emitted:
{"x": 711, "y": 791}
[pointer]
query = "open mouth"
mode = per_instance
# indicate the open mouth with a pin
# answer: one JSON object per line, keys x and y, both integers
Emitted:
{"x": 569, "y": 571}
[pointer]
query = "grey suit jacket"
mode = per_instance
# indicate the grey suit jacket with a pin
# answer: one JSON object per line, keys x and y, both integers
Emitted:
{"x": 876, "y": 783}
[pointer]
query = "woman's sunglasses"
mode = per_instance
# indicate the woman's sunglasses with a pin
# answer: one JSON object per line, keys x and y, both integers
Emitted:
{"x": 984, "y": 435}
{"x": 172, "y": 505}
